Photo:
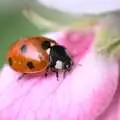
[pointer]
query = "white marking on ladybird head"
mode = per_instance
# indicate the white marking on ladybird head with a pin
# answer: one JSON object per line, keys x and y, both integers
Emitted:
{"x": 48, "y": 51}
{"x": 67, "y": 66}
{"x": 59, "y": 64}
{"x": 52, "y": 44}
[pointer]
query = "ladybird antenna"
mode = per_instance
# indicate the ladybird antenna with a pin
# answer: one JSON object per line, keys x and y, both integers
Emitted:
{"x": 79, "y": 64}
{"x": 76, "y": 64}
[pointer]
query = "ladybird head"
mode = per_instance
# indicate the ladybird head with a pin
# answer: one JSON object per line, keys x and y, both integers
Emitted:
{"x": 59, "y": 58}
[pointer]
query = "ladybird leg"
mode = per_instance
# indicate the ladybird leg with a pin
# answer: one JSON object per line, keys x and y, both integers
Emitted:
{"x": 64, "y": 73}
{"x": 57, "y": 75}
{"x": 49, "y": 66}
{"x": 46, "y": 72}
{"x": 21, "y": 76}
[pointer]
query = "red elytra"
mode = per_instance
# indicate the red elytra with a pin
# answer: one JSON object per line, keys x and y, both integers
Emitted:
{"x": 29, "y": 55}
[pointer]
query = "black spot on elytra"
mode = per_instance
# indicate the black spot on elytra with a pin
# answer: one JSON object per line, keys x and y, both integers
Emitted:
{"x": 10, "y": 61}
{"x": 45, "y": 45}
{"x": 23, "y": 48}
{"x": 30, "y": 65}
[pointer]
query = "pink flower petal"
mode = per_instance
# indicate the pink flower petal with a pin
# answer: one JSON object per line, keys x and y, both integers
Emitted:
{"x": 113, "y": 110}
{"x": 83, "y": 95}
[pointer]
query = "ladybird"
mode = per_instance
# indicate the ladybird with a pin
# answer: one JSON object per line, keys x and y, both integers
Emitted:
{"x": 29, "y": 55}
{"x": 38, "y": 54}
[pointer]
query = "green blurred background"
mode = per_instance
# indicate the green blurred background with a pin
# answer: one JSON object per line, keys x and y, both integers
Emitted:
{"x": 27, "y": 18}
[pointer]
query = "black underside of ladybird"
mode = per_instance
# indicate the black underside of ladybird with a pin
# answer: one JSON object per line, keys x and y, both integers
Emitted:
{"x": 10, "y": 61}
{"x": 58, "y": 53}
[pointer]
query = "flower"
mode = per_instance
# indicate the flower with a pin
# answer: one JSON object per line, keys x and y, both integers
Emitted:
{"x": 84, "y": 94}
